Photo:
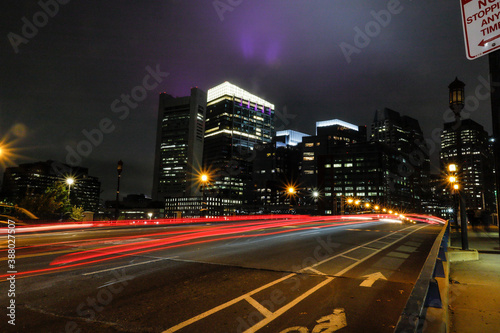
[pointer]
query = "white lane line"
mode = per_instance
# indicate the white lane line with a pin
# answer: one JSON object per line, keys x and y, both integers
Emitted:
{"x": 347, "y": 257}
{"x": 287, "y": 307}
{"x": 125, "y": 266}
{"x": 225, "y": 305}
{"x": 314, "y": 271}
{"x": 270, "y": 284}
{"x": 258, "y": 306}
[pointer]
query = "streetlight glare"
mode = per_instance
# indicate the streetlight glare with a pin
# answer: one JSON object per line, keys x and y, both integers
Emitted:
{"x": 452, "y": 167}
{"x": 315, "y": 194}
{"x": 204, "y": 177}
{"x": 456, "y": 186}
{"x": 291, "y": 190}
{"x": 70, "y": 181}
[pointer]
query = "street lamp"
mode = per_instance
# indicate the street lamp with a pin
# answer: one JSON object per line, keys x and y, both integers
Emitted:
{"x": 453, "y": 179}
{"x": 119, "y": 169}
{"x": 204, "y": 178}
{"x": 70, "y": 181}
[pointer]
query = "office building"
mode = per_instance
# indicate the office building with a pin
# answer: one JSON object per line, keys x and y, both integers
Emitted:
{"x": 467, "y": 144}
{"x": 179, "y": 145}
{"x": 276, "y": 166}
{"x": 367, "y": 171}
{"x": 330, "y": 135}
{"x": 404, "y": 134}
{"x": 236, "y": 122}
{"x": 35, "y": 178}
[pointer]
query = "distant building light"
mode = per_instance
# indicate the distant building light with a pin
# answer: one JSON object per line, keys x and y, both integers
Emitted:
{"x": 333, "y": 122}
{"x": 228, "y": 89}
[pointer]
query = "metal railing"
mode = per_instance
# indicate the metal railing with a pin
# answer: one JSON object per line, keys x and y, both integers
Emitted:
{"x": 425, "y": 293}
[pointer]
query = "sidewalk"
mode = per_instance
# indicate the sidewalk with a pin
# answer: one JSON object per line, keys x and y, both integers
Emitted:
{"x": 474, "y": 292}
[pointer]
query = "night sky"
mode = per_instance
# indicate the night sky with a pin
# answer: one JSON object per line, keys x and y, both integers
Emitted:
{"x": 69, "y": 76}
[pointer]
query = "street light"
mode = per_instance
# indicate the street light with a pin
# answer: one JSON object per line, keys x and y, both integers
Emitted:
{"x": 204, "y": 178}
{"x": 453, "y": 179}
{"x": 70, "y": 181}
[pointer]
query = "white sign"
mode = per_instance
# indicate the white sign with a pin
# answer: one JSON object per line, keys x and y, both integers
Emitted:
{"x": 481, "y": 22}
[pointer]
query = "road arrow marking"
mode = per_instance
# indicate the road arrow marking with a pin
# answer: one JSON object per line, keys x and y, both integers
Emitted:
{"x": 371, "y": 278}
{"x": 484, "y": 42}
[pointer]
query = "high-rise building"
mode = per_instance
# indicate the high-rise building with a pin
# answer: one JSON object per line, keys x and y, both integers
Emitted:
{"x": 34, "y": 178}
{"x": 179, "y": 145}
{"x": 400, "y": 132}
{"x": 404, "y": 134}
{"x": 276, "y": 166}
{"x": 466, "y": 144}
{"x": 236, "y": 122}
{"x": 330, "y": 135}
{"x": 365, "y": 170}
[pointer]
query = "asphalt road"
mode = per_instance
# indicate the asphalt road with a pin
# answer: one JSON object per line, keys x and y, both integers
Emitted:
{"x": 297, "y": 275}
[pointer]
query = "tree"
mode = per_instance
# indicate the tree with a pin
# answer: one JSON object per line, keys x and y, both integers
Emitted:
{"x": 76, "y": 214}
{"x": 52, "y": 204}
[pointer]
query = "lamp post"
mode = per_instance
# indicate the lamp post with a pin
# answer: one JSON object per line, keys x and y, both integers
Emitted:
{"x": 119, "y": 169}
{"x": 456, "y": 93}
{"x": 453, "y": 179}
{"x": 204, "y": 206}
{"x": 70, "y": 181}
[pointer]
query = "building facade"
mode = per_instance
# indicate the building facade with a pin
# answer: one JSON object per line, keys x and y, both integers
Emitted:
{"x": 236, "y": 122}
{"x": 330, "y": 135}
{"x": 179, "y": 145}
{"x": 34, "y": 179}
{"x": 466, "y": 144}
{"x": 404, "y": 134}
{"x": 367, "y": 171}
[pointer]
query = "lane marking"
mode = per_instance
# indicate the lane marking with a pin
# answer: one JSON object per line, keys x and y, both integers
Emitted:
{"x": 125, "y": 266}
{"x": 350, "y": 258}
{"x": 285, "y": 308}
{"x": 258, "y": 306}
{"x": 315, "y": 271}
{"x": 225, "y": 305}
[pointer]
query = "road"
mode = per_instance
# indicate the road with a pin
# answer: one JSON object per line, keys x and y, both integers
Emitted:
{"x": 296, "y": 274}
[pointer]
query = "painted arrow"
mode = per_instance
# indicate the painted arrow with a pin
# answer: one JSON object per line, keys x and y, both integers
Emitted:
{"x": 371, "y": 278}
{"x": 484, "y": 42}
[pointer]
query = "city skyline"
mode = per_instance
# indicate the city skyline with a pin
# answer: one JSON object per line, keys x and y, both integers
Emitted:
{"x": 306, "y": 72}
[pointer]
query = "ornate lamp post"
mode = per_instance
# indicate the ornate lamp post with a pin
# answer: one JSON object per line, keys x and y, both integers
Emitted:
{"x": 453, "y": 179}
{"x": 456, "y": 92}
{"x": 119, "y": 169}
